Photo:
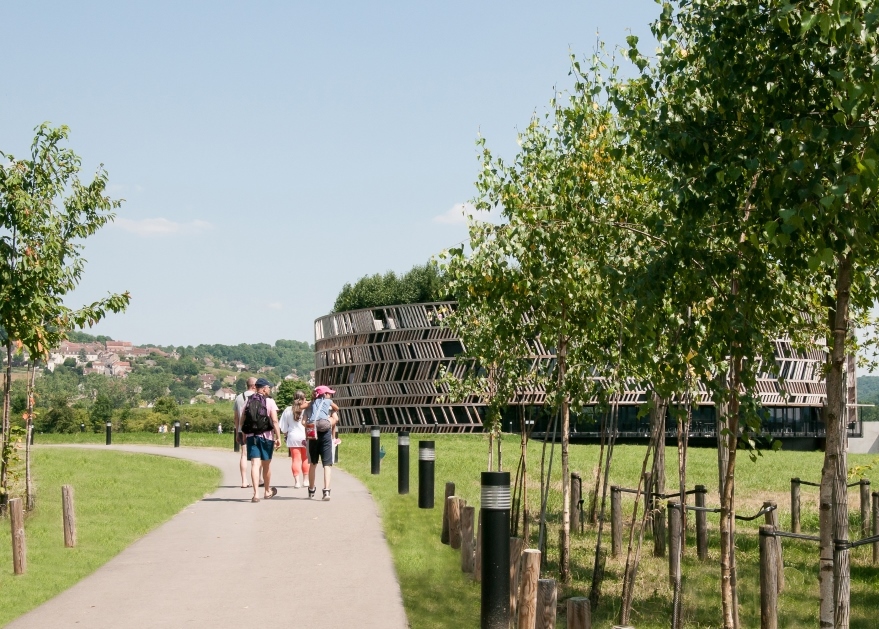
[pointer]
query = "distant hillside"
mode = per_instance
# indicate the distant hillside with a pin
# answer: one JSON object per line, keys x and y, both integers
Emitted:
{"x": 868, "y": 393}
{"x": 284, "y": 356}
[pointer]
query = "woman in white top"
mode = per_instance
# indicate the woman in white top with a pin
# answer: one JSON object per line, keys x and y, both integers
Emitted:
{"x": 293, "y": 426}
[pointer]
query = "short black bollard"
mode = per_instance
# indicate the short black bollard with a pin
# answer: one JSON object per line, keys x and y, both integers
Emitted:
{"x": 176, "y": 434}
{"x": 426, "y": 463}
{"x": 109, "y": 433}
{"x": 82, "y": 428}
{"x": 375, "y": 434}
{"x": 495, "y": 512}
{"x": 187, "y": 426}
{"x": 402, "y": 462}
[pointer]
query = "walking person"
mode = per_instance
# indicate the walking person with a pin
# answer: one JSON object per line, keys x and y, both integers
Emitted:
{"x": 237, "y": 409}
{"x": 321, "y": 417}
{"x": 259, "y": 423}
{"x": 292, "y": 425}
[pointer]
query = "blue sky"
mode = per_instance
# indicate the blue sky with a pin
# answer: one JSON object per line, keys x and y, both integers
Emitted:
{"x": 269, "y": 152}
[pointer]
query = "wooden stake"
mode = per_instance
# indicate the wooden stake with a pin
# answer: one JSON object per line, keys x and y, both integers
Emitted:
{"x": 19, "y": 545}
{"x": 875, "y": 526}
{"x": 701, "y": 524}
{"x": 576, "y": 505}
{"x": 865, "y": 507}
{"x": 795, "y": 505}
{"x": 468, "y": 557}
{"x": 616, "y": 521}
{"x": 772, "y": 520}
{"x": 454, "y": 507}
{"x": 528, "y": 588}
{"x": 450, "y": 491}
{"x": 69, "y": 516}
{"x": 546, "y": 604}
{"x": 674, "y": 543}
{"x": 579, "y": 613}
{"x": 517, "y": 546}
{"x": 768, "y": 579}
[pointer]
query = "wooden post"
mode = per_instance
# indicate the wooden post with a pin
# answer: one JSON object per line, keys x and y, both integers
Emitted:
{"x": 701, "y": 524}
{"x": 576, "y": 505}
{"x": 658, "y": 525}
{"x": 517, "y": 546}
{"x": 477, "y": 563}
{"x": 875, "y": 526}
{"x": 69, "y": 516}
{"x": 454, "y": 508}
{"x": 19, "y": 545}
{"x": 579, "y": 613}
{"x": 595, "y": 590}
{"x": 772, "y": 520}
{"x": 546, "y": 604}
{"x": 616, "y": 521}
{"x": 865, "y": 507}
{"x": 795, "y": 505}
{"x": 468, "y": 557}
{"x": 674, "y": 543}
{"x": 768, "y": 578}
{"x": 450, "y": 491}
{"x": 529, "y": 576}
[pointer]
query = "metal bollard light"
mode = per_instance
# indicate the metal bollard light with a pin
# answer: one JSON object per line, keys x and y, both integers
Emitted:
{"x": 176, "y": 434}
{"x": 403, "y": 462}
{"x": 495, "y": 513}
{"x": 426, "y": 464}
{"x": 109, "y": 433}
{"x": 187, "y": 426}
{"x": 376, "y": 439}
{"x": 82, "y": 428}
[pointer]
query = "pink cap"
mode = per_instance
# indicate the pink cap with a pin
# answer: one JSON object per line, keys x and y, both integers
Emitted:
{"x": 323, "y": 389}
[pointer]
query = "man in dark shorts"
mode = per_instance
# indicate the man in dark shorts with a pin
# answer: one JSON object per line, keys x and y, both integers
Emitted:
{"x": 260, "y": 446}
{"x": 320, "y": 413}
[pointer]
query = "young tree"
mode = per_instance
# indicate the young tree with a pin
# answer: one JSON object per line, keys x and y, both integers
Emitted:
{"x": 765, "y": 114}
{"x": 45, "y": 214}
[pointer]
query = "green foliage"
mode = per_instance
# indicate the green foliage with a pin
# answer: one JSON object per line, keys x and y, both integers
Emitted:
{"x": 420, "y": 284}
{"x": 101, "y": 412}
{"x": 166, "y": 405}
{"x": 287, "y": 389}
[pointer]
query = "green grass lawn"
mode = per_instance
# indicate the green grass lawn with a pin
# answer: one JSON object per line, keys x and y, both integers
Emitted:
{"x": 191, "y": 439}
{"x": 435, "y": 591}
{"x": 119, "y": 498}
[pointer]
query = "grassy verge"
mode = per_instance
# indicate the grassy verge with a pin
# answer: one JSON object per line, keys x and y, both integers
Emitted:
{"x": 191, "y": 439}
{"x": 119, "y": 498}
{"x": 437, "y": 594}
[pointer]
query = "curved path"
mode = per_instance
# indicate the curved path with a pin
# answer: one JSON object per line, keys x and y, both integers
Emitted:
{"x": 226, "y": 562}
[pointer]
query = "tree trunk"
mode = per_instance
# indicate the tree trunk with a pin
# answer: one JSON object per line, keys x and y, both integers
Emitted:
{"x": 834, "y": 584}
{"x": 4, "y": 445}
{"x": 728, "y": 593}
{"x": 565, "y": 550}
{"x": 524, "y": 491}
{"x": 30, "y": 499}
{"x": 721, "y": 412}
{"x": 593, "y": 502}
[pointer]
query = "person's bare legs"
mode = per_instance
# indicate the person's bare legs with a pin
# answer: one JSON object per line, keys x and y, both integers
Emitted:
{"x": 242, "y": 464}
{"x": 267, "y": 476}
{"x": 255, "y": 468}
{"x": 328, "y": 469}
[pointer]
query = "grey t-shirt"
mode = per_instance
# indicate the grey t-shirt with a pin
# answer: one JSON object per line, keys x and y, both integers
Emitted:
{"x": 240, "y": 401}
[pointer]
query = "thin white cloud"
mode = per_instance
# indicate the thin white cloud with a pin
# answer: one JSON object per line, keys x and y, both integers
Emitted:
{"x": 160, "y": 226}
{"x": 457, "y": 214}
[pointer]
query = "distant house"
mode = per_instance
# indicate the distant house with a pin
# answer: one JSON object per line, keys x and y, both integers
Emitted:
{"x": 206, "y": 379}
{"x": 225, "y": 394}
{"x": 239, "y": 366}
{"x": 121, "y": 368}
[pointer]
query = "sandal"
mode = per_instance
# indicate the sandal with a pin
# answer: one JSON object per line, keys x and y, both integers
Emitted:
{"x": 272, "y": 493}
{"x": 254, "y": 499}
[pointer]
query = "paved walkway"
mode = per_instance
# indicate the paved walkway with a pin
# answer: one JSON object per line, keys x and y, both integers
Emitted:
{"x": 225, "y": 562}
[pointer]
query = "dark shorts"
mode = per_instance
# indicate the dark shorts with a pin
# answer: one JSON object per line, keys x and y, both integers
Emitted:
{"x": 260, "y": 448}
{"x": 321, "y": 447}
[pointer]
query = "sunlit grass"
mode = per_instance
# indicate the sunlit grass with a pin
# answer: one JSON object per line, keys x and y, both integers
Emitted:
{"x": 119, "y": 498}
{"x": 437, "y": 594}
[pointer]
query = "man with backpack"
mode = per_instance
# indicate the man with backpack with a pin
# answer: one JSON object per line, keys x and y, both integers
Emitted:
{"x": 259, "y": 423}
{"x": 238, "y": 416}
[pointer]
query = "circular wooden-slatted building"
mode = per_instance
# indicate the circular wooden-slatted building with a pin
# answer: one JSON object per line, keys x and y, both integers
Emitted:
{"x": 384, "y": 362}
